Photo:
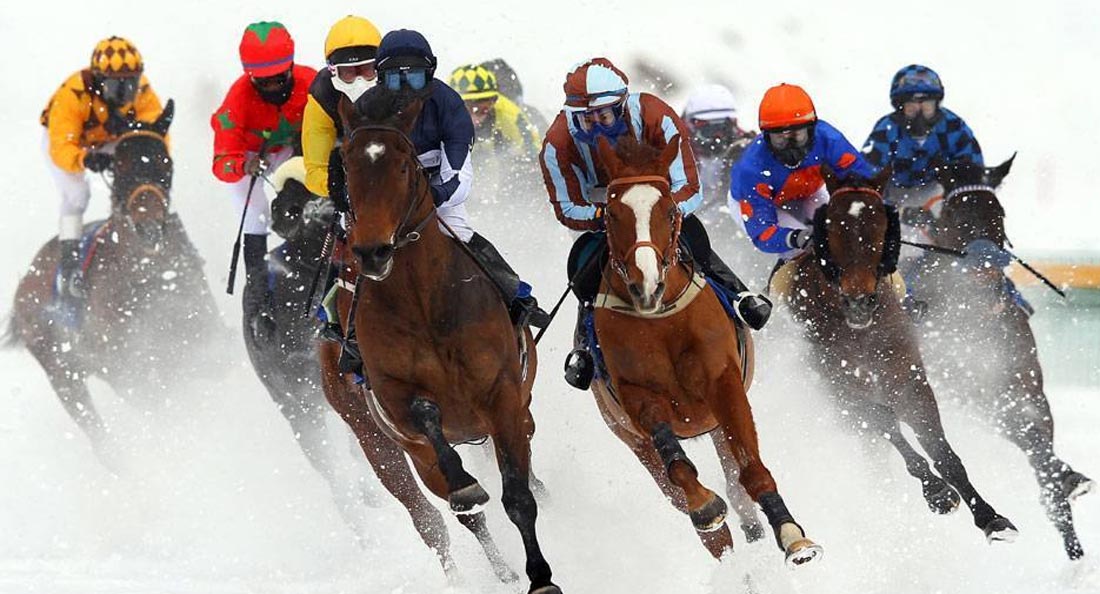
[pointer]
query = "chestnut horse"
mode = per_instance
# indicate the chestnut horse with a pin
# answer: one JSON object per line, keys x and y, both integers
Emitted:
{"x": 969, "y": 305}
{"x": 445, "y": 364}
{"x": 865, "y": 346}
{"x": 676, "y": 366}
{"x": 148, "y": 307}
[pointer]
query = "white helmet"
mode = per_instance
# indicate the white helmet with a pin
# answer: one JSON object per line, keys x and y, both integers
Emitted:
{"x": 710, "y": 102}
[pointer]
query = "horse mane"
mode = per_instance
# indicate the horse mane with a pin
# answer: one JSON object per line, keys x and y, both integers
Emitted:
{"x": 891, "y": 246}
{"x": 380, "y": 105}
{"x": 635, "y": 154}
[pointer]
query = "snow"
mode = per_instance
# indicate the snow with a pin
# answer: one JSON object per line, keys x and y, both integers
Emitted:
{"x": 216, "y": 498}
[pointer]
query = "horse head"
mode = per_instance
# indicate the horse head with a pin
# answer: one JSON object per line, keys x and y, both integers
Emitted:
{"x": 142, "y": 170}
{"x": 857, "y": 238}
{"x": 641, "y": 218}
{"x": 388, "y": 190}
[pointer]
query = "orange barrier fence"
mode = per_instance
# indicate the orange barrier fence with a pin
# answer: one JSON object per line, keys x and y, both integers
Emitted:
{"x": 1062, "y": 274}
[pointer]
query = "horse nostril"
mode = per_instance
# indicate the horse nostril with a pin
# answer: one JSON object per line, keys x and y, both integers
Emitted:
{"x": 375, "y": 254}
{"x": 634, "y": 291}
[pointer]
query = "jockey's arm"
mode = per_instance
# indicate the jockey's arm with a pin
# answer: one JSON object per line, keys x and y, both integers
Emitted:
{"x": 66, "y": 128}
{"x": 147, "y": 105}
{"x": 567, "y": 192}
{"x": 318, "y": 140}
{"x": 229, "y": 143}
{"x": 683, "y": 175}
{"x": 876, "y": 150}
{"x": 762, "y": 224}
{"x": 456, "y": 171}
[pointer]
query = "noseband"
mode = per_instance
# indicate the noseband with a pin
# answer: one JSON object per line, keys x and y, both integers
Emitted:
{"x": 671, "y": 254}
{"x": 415, "y": 187}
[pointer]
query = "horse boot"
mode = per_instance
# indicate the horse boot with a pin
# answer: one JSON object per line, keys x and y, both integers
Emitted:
{"x": 522, "y": 306}
{"x": 257, "y": 300}
{"x": 580, "y": 367}
{"x": 70, "y": 289}
{"x": 753, "y": 309}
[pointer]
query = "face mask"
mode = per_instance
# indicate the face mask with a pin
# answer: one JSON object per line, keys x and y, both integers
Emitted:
{"x": 118, "y": 91}
{"x": 589, "y": 126}
{"x": 353, "y": 89}
{"x": 275, "y": 89}
{"x": 791, "y": 146}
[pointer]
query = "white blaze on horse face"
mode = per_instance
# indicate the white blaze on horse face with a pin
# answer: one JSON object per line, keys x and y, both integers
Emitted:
{"x": 856, "y": 208}
{"x": 374, "y": 151}
{"x": 641, "y": 200}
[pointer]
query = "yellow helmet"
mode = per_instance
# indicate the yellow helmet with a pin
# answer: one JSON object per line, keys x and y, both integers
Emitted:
{"x": 474, "y": 82}
{"x": 351, "y": 39}
{"x": 116, "y": 57}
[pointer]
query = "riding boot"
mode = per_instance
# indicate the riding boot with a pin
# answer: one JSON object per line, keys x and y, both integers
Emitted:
{"x": 580, "y": 367}
{"x": 70, "y": 290}
{"x": 753, "y": 309}
{"x": 257, "y": 300}
{"x": 522, "y": 306}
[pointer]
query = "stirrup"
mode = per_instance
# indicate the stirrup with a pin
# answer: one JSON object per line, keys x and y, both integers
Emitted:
{"x": 525, "y": 311}
{"x": 580, "y": 368}
{"x": 753, "y": 309}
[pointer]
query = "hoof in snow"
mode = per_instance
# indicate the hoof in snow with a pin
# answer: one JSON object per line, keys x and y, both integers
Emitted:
{"x": 753, "y": 532}
{"x": 468, "y": 500}
{"x": 803, "y": 551}
{"x": 1076, "y": 485}
{"x": 1000, "y": 529}
{"x": 943, "y": 500}
{"x": 711, "y": 516}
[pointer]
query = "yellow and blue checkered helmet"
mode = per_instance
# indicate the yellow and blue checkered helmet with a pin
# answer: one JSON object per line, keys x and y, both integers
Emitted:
{"x": 474, "y": 82}
{"x": 116, "y": 57}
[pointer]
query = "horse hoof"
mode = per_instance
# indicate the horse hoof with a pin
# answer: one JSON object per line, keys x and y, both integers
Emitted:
{"x": 550, "y": 589}
{"x": 711, "y": 516}
{"x": 753, "y": 532}
{"x": 468, "y": 500}
{"x": 1076, "y": 484}
{"x": 1000, "y": 529}
{"x": 803, "y": 551}
{"x": 943, "y": 501}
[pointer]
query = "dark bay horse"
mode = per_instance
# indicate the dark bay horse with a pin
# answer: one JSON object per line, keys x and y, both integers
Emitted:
{"x": 677, "y": 367}
{"x": 148, "y": 310}
{"x": 865, "y": 346}
{"x": 971, "y": 310}
{"x": 442, "y": 357}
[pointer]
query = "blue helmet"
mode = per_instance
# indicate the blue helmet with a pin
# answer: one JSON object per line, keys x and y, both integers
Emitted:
{"x": 405, "y": 48}
{"x": 914, "y": 79}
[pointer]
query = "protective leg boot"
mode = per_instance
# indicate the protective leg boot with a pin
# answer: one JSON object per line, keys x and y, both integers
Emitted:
{"x": 580, "y": 367}
{"x": 522, "y": 305}
{"x": 916, "y": 309}
{"x": 257, "y": 301}
{"x": 752, "y": 308}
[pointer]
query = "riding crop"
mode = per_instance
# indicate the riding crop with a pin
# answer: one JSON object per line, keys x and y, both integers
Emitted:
{"x": 240, "y": 228}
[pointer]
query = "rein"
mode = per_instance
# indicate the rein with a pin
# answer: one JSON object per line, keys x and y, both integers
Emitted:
{"x": 671, "y": 254}
{"x": 416, "y": 188}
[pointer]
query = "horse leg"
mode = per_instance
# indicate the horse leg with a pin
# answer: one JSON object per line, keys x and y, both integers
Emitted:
{"x": 730, "y": 406}
{"x": 916, "y": 407}
{"x": 513, "y": 429}
{"x": 464, "y": 494}
{"x": 739, "y": 498}
{"x": 475, "y": 523}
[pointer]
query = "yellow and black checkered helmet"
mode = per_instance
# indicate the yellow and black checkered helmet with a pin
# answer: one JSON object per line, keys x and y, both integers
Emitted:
{"x": 116, "y": 57}
{"x": 474, "y": 82}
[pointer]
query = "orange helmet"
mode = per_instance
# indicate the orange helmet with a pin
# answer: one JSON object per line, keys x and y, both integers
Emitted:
{"x": 784, "y": 106}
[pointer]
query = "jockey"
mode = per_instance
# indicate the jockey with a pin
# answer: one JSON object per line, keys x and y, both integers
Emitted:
{"x": 256, "y": 128}
{"x": 716, "y": 138}
{"x": 90, "y": 110}
{"x": 350, "y": 49}
{"x": 498, "y": 121}
{"x": 509, "y": 85}
{"x": 443, "y": 135}
{"x": 777, "y": 184}
{"x": 598, "y": 103}
{"x": 918, "y": 134}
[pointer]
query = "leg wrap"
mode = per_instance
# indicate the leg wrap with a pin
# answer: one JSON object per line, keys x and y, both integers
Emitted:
{"x": 669, "y": 447}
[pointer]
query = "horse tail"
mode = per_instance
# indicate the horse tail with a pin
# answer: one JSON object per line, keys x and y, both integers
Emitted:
{"x": 10, "y": 337}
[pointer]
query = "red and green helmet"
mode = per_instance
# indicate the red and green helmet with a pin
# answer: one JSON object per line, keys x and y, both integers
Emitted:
{"x": 266, "y": 49}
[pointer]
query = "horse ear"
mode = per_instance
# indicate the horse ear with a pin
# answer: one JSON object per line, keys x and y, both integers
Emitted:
{"x": 164, "y": 121}
{"x": 882, "y": 178}
{"x": 832, "y": 182}
{"x": 608, "y": 156}
{"x": 994, "y": 176}
{"x": 669, "y": 153}
{"x": 349, "y": 115}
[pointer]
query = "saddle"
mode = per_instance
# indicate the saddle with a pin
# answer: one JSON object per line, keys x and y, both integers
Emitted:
{"x": 70, "y": 312}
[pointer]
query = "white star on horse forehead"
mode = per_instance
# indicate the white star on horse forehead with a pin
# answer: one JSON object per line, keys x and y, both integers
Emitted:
{"x": 856, "y": 208}
{"x": 374, "y": 151}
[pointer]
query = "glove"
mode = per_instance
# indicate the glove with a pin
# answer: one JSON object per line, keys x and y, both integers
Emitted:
{"x": 256, "y": 165}
{"x": 800, "y": 238}
{"x": 319, "y": 210}
{"x": 96, "y": 161}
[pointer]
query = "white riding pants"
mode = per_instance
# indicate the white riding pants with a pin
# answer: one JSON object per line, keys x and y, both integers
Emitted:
{"x": 258, "y": 217}
{"x": 75, "y": 194}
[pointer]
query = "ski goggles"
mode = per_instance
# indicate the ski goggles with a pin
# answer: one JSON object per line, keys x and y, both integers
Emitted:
{"x": 603, "y": 117}
{"x": 919, "y": 104}
{"x": 712, "y": 129}
{"x": 798, "y": 137}
{"x": 413, "y": 77}
{"x": 352, "y": 70}
{"x": 274, "y": 82}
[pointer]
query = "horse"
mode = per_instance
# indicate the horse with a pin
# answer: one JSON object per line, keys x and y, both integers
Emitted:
{"x": 844, "y": 293}
{"x": 445, "y": 364}
{"x": 676, "y": 366}
{"x": 148, "y": 306}
{"x": 287, "y": 364}
{"x": 969, "y": 305}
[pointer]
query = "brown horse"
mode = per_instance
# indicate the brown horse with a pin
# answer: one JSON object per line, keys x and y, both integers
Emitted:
{"x": 442, "y": 357}
{"x": 970, "y": 304}
{"x": 148, "y": 309}
{"x": 676, "y": 366}
{"x": 865, "y": 346}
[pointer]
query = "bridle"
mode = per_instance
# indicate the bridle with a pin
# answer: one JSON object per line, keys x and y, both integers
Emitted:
{"x": 157, "y": 190}
{"x": 891, "y": 246}
{"x": 670, "y": 256}
{"x": 415, "y": 187}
